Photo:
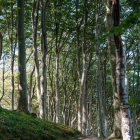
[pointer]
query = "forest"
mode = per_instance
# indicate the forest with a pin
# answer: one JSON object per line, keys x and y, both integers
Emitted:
{"x": 73, "y": 62}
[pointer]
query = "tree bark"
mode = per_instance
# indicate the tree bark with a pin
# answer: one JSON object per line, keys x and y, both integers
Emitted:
{"x": 99, "y": 99}
{"x": 112, "y": 58}
{"x": 12, "y": 60}
{"x": 1, "y": 45}
{"x": 57, "y": 76}
{"x": 43, "y": 46}
{"x": 30, "y": 91}
{"x": 120, "y": 77}
{"x": 22, "y": 95}
{"x": 35, "y": 10}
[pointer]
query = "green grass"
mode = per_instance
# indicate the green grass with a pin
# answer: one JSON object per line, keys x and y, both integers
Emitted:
{"x": 19, "y": 126}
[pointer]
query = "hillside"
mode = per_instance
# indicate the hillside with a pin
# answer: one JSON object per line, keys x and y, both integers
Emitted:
{"x": 19, "y": 126}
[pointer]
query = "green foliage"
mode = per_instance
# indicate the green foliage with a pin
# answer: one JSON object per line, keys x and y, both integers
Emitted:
{"x": 134, "y": 100}
{"x": 19, "y": 126}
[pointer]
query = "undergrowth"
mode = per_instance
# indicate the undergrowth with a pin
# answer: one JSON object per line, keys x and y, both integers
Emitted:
{"x": 19, "y": 126}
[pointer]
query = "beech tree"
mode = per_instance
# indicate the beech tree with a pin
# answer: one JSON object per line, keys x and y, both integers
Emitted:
{"x": 70, "y": 62}
{"x": 112, "y": 58}
{"x": 0, "y": 45}
{"x": 22, "y": 95}
{"x": 120, "y": 77}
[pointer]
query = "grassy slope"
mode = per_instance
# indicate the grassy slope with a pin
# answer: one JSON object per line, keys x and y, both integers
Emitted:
{"x": 19, "y": 126}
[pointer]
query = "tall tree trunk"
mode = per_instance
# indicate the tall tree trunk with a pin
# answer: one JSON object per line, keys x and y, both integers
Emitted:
{"x": 105, "y": 96}
{"x": 1, "y": 45}
{"x": 89, "y": 111}
{"x": 30, "y": 91}
{"x": 81, "y": 76}
{"x": 35, "y": 10}
{"x": 57, "y": 76}
{"x": 84, "y": 88}
{"x": 3, "y": 79}
{"x": 12, "y": 61}
{"x": 112, "y": 58}
{"x": 135, "y": 124}
{"x": 43, "y": 45}
{"x": 85, "y": 109}
{"x": 99, "y": 99}
{"x": 22, "y": 95}
{"x": 57, "y": 89}
{"x": 120, "y": 77}
{"x": 78, "y": 63}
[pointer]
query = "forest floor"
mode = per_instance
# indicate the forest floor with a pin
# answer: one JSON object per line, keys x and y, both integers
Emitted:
{"x": 19, "y": 126}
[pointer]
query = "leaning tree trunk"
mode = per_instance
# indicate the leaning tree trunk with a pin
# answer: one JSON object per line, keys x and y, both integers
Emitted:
{"x": 22, "y": 95}
{"x": 120, "y": 77}
{"x": 112, "y": 58}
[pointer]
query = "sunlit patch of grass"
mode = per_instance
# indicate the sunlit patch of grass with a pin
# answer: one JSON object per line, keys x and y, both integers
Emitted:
{"x": 19, "y": 126}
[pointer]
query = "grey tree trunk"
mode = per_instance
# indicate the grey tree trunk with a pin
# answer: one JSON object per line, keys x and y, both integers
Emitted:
{"x": 112, "y": 58}
{"x": 3, "y": 79}
{"x": 30, "y": 91}
{"x": 99, "y": 98}
{"x": 81, "y": 76}
{"x": 0, "y": 45}
{"x": 22, "y": 95}
{"x": 35, "y": 10}
{"x": 89, "y": 124}
{"x": 12, "y": 61}
{"x": 57, "y": 89}
{"x": 126, "y": 125}
{"x": 57, "y": 75}
{"x": 85, "y": 110}
{"x": 43, "y": 46}
{"x": 105, "y": 95}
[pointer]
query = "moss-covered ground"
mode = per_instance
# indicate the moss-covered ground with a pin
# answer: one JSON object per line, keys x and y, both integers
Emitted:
{"x": 19, "y": 126}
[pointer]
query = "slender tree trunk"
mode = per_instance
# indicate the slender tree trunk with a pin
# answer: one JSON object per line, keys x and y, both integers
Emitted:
{"x": 99, "y": 99}
{"x": 35, "y": 10}
{"x": 22, "y": 95}
{"x": 78, "y": 64}
{"x": 120, "y": 77}
{"x": 12, "y": 61}
{"x": 43, "y": 45}
{"x": 137, "y": 89}
{"x": 85, "y": 109}
{"x": 57, "y": 77}
{"x": 81, "y": 77}
{"x": 64, "y": 106}
{"x": 112, "y": 58}
{"x": 89, "y": 111}
{"x": 30, "y": 91}
{"x": 57, "y": 90}
{"x": 84, "y": 89}
{"x": 105, "y": 97}
{"x": 3, "y": 79}
{"x": 134, "y": 107}
{"x": 1, "y": 45}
